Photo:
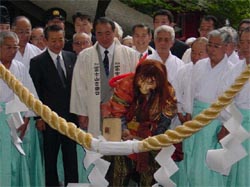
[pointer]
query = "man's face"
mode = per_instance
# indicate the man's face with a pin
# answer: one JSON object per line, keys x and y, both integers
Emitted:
{"x": 244, "y": 45}
{"x": 216, "y": 50}
{"x": 37, "y": 38}
{"x": 56, "y": 21}
{"x": 83, "y": 25}
{"x": 8, "y": 50}
{"x": 198, "y": 51}
{"x": 4, "y": 27}
{"x": 206, "y": 27}
{"x": 23, "y": 31}
{"x": 163, "y": 42}
{"x": 55, "y": 41}
{"x": 161, "y": 20}
{"x": 81, "y": 42}
{"x": 243, "y": 26}
{"x": 104, "y": 34}
{"x": 141, "y": 39}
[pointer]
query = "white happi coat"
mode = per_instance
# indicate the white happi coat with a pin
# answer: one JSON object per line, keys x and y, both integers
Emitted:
{"x": 29, "y": 52}
{"x": 86, "y": 84}
{"x": 22, "y": 74}
{"x": 173, "y": 64}
{"x": 208, "y": 83}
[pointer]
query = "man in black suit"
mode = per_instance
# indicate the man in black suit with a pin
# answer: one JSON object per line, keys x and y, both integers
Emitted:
{"x": 82, "y": 24}
{"x": 51, "y": 72}
{"x": 165, "y": 17}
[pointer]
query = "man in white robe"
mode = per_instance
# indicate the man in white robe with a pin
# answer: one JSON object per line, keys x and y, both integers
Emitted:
{"x": 90, "y": 85}
{"x": 210, "y": 78}
{"x": 164, "y": 37}
{"x": 183, "y": 80}
{"x": 32, "y": 141}
{"x": 22, "y": 27}
{"x": 14, "y": 166}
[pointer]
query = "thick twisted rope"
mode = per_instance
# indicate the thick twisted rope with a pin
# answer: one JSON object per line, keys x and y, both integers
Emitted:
{"x": 151, "y": 143}
{"x": 56, "y": 122}
{"x": 204, "y": 118}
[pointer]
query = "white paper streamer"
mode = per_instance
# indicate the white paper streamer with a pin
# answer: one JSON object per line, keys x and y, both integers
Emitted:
{"x": 14, "y": 121}
{"x": 221, "y": 160}
{"x": 167, "y": 169}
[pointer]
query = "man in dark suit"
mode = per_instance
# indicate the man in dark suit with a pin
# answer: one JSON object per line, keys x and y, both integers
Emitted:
{"x": 51, "y": 72}
{"x": 165, "y": 17}
{"x": 82, "y": 24}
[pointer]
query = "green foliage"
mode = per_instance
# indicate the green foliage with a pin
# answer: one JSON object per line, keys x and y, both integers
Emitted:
{"x": 234, "y": 10}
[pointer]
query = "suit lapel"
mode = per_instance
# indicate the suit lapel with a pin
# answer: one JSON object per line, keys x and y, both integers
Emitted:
{"x": 68, "y": 65}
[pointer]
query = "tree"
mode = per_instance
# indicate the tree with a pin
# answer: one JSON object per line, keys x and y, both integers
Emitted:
{"x": 233, "y": 10}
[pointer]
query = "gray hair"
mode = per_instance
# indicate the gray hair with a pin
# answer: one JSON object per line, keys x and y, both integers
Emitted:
{"x": 224, "y": 35}
{"x": 200, "y": 40}
{"x": 165, "y": 28}
{"x": 119, "y": 29}
{"x": 81, "y": 34}
{"x": 7, "y": 34}
{"x": 233, "y": 33}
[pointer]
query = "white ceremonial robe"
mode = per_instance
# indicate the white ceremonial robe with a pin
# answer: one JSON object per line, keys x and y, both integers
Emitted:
{"x": 182, "y": 85}
{"x": 186, "y": 57}
{"x": 29, "y": 52}
{"x": 173, "y": 64}
{"x": 22, "y": 74}
{"x": 234, "y": 58}
{"x": 86, "y": 84}
{"x": 208, "y": 83}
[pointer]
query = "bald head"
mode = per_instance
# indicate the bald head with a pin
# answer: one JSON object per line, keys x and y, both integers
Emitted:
{"x": 22, "y": 27}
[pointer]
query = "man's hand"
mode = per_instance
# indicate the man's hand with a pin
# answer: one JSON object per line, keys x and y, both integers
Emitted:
{"x": 223, "y": 132}
{"x": 83, "y": 122}
{"x": 40, "y": 125}
{"x": 22, "y": 129}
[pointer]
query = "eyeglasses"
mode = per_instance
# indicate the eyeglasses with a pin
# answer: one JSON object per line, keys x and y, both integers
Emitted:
{"x": 216, "y": 46}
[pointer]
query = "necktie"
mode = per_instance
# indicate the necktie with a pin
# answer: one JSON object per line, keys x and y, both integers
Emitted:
{"x": 60, "y": 71}
{"x": 106, "y": 62}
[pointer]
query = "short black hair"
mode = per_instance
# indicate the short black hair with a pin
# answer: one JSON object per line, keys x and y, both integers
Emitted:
{"x": 210, "y": 18}
{"x": 104, "y": 20}
{"x": 81, "y": 16}
{"x": 164, "y": 12}
{"x": 52, "y": 28}
{"x": 141, "y": 25}
{"x": 247, "y": 21}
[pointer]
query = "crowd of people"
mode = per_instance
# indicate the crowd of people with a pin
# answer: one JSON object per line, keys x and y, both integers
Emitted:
{"x": 160, "y": 83}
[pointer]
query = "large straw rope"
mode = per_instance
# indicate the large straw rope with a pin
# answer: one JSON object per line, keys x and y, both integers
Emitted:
{"x": 190, "y": 127}
{"x": 150, "y": 143}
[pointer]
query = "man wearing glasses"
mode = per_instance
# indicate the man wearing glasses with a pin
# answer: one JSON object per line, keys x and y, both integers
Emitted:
{"x": 210, "y": 78}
